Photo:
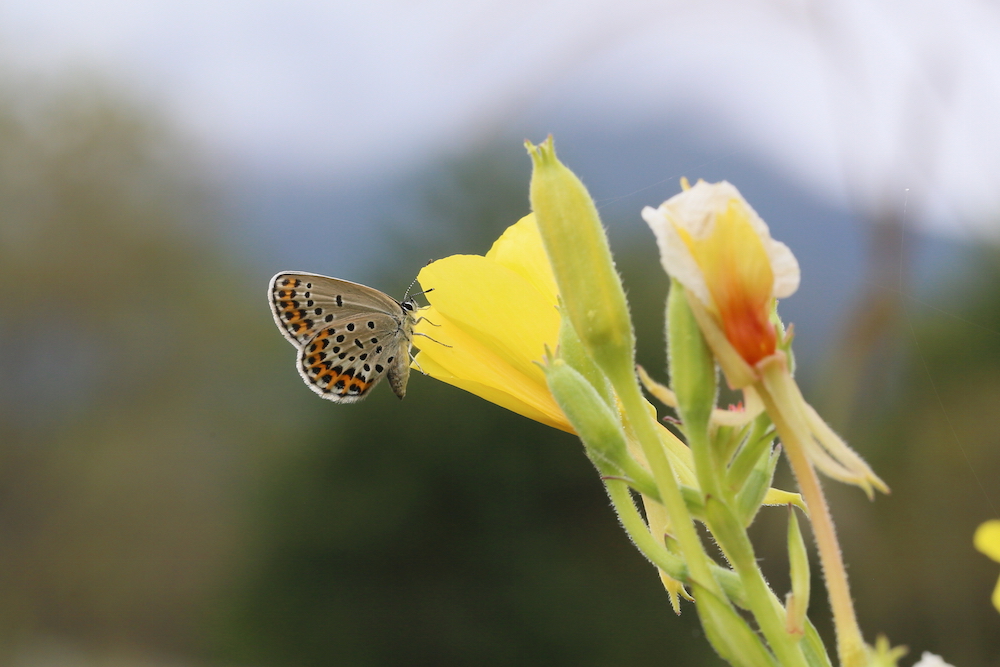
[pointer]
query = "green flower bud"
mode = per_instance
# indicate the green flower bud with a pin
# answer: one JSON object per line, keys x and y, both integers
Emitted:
{"x": 692, "y": 366}
{"x": 597, "y": 425}
{"x": 750, "y": 497}
{"x": 574, "y": 354}
{"x": 753, "y": 448}
{"x": 591, "y": 291}
{"x": 728, "y": 633}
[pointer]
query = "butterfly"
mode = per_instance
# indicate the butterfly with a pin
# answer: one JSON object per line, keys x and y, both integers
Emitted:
{"x": 348, "y": 336}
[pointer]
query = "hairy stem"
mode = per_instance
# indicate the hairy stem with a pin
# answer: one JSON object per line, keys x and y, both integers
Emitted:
{"x": 850, "y": 644}
{"x": 732, "y": 537}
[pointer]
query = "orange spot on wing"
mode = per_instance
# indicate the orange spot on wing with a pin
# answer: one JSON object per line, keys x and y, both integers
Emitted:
{"x": 348, "y": 381}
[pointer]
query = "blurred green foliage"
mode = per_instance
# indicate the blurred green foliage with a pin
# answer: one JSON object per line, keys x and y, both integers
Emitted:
{"x": 169, "y": 487}
{"x": 929, "y": 420}
{"x": 138, "y": 387}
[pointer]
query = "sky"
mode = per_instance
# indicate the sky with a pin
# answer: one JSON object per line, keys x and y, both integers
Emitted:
{"x": 861, "y": 103}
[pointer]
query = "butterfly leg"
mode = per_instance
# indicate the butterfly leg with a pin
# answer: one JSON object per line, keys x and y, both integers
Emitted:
{"x": 413, "y": 360}
{"x": 417, "y": 333}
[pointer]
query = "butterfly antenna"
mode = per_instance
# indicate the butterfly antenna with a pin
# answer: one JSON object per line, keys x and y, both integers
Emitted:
{"x": 407, "y": 293}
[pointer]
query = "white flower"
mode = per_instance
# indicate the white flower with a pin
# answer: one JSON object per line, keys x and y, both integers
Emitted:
{"x": 928, "y": 659}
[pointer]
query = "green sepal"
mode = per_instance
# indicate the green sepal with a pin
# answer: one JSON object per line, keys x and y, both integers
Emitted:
{"x": 785, "y": 337}
{"x": 813, "y": 647}
{"x": 750, "y": 497}
{"x": 728, "y": 633}
{"x": 693, "y": 375}
{"x": 798, "y": 565}
{"x": 693, "y": 500}
{"x": 597, "y": 426}
{"x": 572, "y": 351}
{"x": 754, "y": 445}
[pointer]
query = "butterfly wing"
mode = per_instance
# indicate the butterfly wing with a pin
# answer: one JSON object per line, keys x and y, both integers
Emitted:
{"x": 342, "y": 363}
{"x": 348, "y": 335}
{"x": 304, "y": 303}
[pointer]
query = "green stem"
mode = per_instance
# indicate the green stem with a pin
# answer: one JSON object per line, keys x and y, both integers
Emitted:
{"x": 670, "y": 492}
{"x": 638, "y": 531}
{"x": 733, "y": 539}
{"x": 659, "y": 555}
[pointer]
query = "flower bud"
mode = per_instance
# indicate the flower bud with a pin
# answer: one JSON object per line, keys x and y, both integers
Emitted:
{"x": 728, "y": 633}
{"x": 597, "y": 425}
{"x": 574, "y": 354}
{"x": 591, "y": 291}
{"x": 692, "y": 367}
{"x": 755, "y": 489}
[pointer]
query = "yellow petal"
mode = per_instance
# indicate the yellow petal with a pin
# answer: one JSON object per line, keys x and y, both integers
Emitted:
{"x": 779, "y": 497}
{"x": 489, "y": 323}
{"x": 518, "y": 397}
{"x": 501, "y": 310}
{"x": 987, "y": 539}
{"x": 520, "y": 249}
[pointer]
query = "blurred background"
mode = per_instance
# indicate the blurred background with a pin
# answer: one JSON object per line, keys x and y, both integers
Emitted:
{"x": 171, "y": 494}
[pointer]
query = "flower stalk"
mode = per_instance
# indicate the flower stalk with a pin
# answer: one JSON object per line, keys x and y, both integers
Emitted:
{"x": 850, "y": 644}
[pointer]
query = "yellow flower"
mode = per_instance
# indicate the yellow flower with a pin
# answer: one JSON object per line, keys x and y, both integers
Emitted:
{"x": 489, "y": 322}
{"x": 716, "y": 245}
{"x": 987, "y": 541}
{"x": 720, "y": 250}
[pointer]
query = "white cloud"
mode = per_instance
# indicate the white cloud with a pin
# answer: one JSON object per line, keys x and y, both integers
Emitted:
{"x": 900, "y": 97}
